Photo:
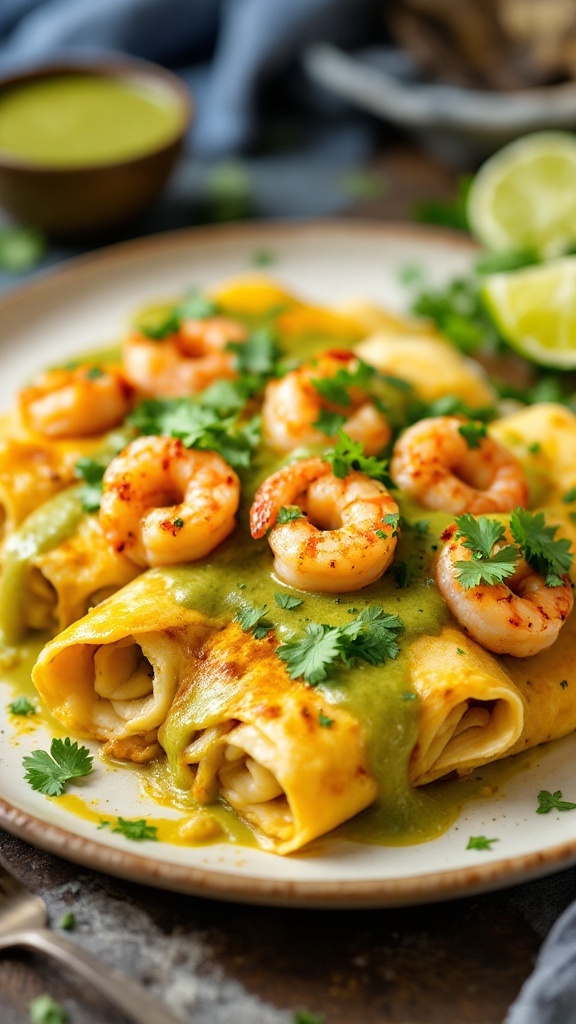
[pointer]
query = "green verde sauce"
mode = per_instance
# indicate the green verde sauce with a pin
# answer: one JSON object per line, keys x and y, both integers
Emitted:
{"x": 239, "y": 573}
{"x": 75, "y": 120}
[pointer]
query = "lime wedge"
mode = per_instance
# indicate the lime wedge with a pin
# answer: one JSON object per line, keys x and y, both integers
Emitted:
{"x": 523, "y": 199}
{"x": 535, "y": 310}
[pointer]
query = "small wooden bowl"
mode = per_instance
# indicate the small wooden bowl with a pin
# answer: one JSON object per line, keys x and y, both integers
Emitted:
{"x": 73, "y": 201}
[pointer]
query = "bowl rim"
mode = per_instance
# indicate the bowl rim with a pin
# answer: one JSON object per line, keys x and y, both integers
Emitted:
{"x": 108, "y": 65}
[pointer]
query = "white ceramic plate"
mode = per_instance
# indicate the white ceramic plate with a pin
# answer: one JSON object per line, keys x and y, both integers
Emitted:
{"x": 85, "y": 305}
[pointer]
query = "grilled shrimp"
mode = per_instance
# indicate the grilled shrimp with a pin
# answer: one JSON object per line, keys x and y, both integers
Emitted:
{"x": 183, "y": 363}
{"x": 340, "y": 542}
{"x": 164, "y": 503}
{"x": 520, "y": 617}
{"x": 292, "y": 406}
{"x": 81, "y": 402}
{"x": 433, "y": 462}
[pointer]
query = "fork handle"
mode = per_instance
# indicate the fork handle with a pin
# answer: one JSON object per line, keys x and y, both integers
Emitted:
{"x": 132, "y": 999}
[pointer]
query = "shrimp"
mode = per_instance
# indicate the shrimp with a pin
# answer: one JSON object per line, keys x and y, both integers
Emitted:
{"x": 340, "y": 542}
{"x": 292, "y": 406}
{"x": 433, "y": 462}
{"x": 185, "y": 362}
{"x": 87, "y": 400}
{"x": 164, "y": 503}
{"x": 519, "y": 617}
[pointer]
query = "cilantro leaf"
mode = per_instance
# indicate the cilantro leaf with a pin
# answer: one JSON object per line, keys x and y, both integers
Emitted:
{"x": 253, "y": 620}
{"x": 45, "y": 1010}
{"x": 480, "y": 535}
{"x": 287, "y": 601}
{"x": 370, "y": 637}
{"x": 49, "y": 773}
{"x": 257, "y": 355}
{"x": 569, "y": 496}
{"x": 348, "y": 455}
{"x": 68, "y": 921}
{"x": 477, "y": 572}
{"x": 473, "y": 433}
{"x": 549, "y": 556}
{"x": 312, "y": 655}
{"x": 92, "y": 472}
{"x": 287, "y": 513}
{"x": 22, "y": 706}
{"x": 324, "y": 721}
{"x": 375, "y": 639}
{"x": 135, "y": 829}
{"x": 336, "y": 389}
{"x": 199, "y": 426}
{"x": 305, "y": 1017}
{"x": 480, "y": 843}
{"x": 195, "y": 306}
{"x": 329, "y": 423}
{"x": 552, "y": 801}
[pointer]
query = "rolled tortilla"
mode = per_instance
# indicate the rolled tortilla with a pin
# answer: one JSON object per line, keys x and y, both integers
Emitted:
{"x": 477, "y": 708}
{"x": 241, "y": 729}
{"x": 471, "y": 711}
{"x": 113, "y": 675}
{"x": 56, "y": 566}
{"x": 33, "y": 469}
{"x": 543, "y": 439}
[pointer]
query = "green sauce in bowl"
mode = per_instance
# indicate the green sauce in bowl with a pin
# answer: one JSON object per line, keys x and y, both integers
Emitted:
{"x": 78, "y": 120}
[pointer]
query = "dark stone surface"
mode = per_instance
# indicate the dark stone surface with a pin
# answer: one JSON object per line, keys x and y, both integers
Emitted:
{"x": 222, "y": 963}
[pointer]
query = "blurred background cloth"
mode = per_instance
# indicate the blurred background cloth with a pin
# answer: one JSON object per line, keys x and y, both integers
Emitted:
{"x": 241, "y": 60}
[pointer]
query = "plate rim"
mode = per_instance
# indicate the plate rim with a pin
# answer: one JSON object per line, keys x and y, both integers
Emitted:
{"x": 224, "y": 885}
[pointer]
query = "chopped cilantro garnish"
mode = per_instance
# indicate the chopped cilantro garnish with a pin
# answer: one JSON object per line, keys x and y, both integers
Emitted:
{"x": 460, "y": 651}
{"x": 329, "y": 423}
{"x": 199, "y": 426}
{"x": 370, "y": 637}
{"x": 22, "y": 706}
{"x": 381, "y": 534}
{"x": 136, "y": 829}
{"x": 570, "y": 495}
{"x": 287, "y": 513}
{"x": 564, "y": 684}
{"x": 253, "y": 620}
{"x": 263, "y": 258}
{"x": 336, "y": 389}
{"x": 324, "y": 721}
{"x": 49, "y": 773}
{"x": 92, "y": 472}
{"x": 535, "y": 448}
{"x": 45, "y": 1010}
{"x": 480, "y": 535}
{"x": 287, "y": 601}
{"x": 159, "y": 329}
{"x": 348, "y": 455}
{"x": 480, "y": 843}
{"x": 549, "y": 556}
{"x": 178, "y": 523}
{"x": 257, "y": 355}
{"x": 473, "y": 433}
{"x": 552, "y": 802}
{"x": 195, "y": 306}
{"x": 408, "y": 695}
{"x": 68, "y": 921}
{"x": 305, "y": 1017}
{"x": 392, "y": 519}
{"x": 94, "y": 372}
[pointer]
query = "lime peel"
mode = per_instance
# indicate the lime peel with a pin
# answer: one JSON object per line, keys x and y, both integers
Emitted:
{"x": 535, "y": 311}
{"x": 524, "y": 197}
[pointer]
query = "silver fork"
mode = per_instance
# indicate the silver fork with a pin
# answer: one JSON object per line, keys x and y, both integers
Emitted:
{"x": 23, "y": 920}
